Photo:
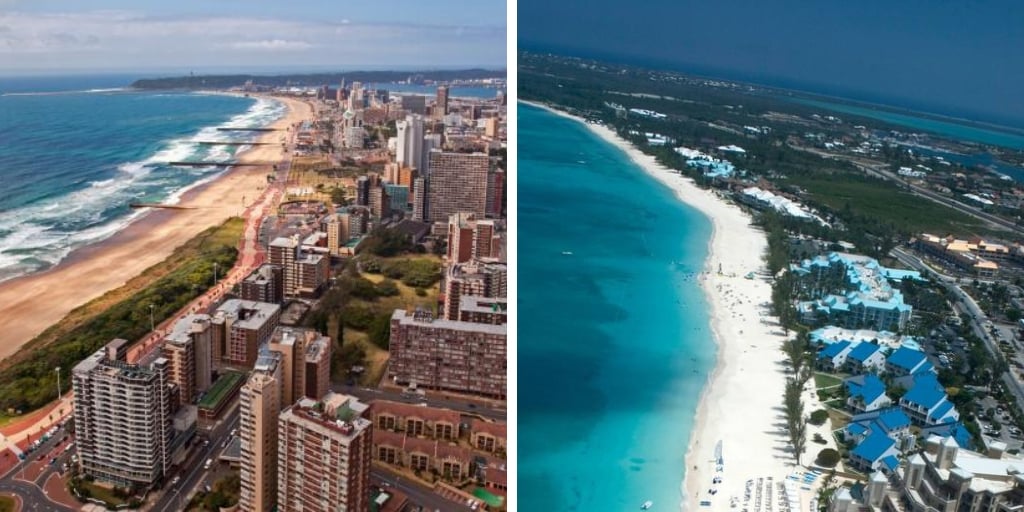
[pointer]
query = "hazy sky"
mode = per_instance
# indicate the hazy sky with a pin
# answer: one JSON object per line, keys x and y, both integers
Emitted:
{"x": 109, "y": 35}
{"x": 961, "y": 56}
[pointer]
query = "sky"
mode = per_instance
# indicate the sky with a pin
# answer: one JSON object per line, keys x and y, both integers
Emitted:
{"x": 956, "y": 57}
{"x": 72, "y": 36}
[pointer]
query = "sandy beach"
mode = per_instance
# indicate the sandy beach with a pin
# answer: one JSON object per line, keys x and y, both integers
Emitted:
{"x": 30, "y": 304}
{"x": 742, "y": 403}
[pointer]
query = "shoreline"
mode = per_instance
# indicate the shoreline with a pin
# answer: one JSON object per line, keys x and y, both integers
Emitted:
{"x": 733, "y": 302}
{"x": 34, "y": 302}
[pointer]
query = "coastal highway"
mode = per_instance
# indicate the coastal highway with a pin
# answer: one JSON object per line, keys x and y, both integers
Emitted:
{"x": 369, "y": 394}
{"x": 965, "y": 303}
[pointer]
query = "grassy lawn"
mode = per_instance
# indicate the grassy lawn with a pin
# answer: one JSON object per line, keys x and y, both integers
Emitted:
{"x": 407, "y": 297}
{"x": 27, "y": 377}
{"x": 376, "y": 357}
{"x": 105, "y": 494}
{"x": 7, "y": 504}
{"x": 824, "y": 380}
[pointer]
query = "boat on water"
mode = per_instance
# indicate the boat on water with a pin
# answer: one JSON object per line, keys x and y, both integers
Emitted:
{"x": 567, "y": 253}
{"x": 647, "y": 504}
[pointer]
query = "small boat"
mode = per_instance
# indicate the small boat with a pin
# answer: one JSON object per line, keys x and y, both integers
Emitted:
{"x": 647, "y": 504}
{"x": 567, "y": 253}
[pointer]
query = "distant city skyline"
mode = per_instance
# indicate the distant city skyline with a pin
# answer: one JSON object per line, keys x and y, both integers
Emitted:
{"x": 109, "y": 36}
{"x": 953, "y": 58}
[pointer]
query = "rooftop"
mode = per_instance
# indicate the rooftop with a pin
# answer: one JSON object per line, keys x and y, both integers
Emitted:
{"x": 335, "y": 413}
{"x": 407, "y": 318}
{"x": 247, "y": 314}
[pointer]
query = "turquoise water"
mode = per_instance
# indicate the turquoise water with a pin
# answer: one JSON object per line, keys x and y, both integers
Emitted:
{"x": 74, "y": 161}
{"x": 947, "y": 128}
{"x": 614, "y": 343}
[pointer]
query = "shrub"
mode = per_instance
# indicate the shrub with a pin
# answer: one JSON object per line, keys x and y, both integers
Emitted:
{"x": 818, "y": 417}
{"x": 387, "y": 288}
{"x": 827, "y": 458}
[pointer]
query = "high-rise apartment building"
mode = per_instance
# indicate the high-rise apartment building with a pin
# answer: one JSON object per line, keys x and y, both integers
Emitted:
{"x": 431, "y": 141}
{"x": 441, "y": 104}
{"x": 337, "y": 228}
{"x": 189, "y": 348}
{"x": 419, "y": 200}
{"x": 448, "y": 355}
{"x": 363, "y": 189}
{"x": 123, "y": 424}
{"x": 491, "y": 127}
{"x": 471, "y": 237}
{"x": 240, "y": 327}
{"x": 265, "y": 284}
{"x": 458, "y": 183}
{"x": 479, "y": 279}
{"x": 282, "y": 253}
{"x": 414, "y": 103}
{"x": 380, "y": 204}
{"x": 260, "y": 406}
{"x": 398, "y": 197}
{"x": 495, "y": 193}
{"x": 305, "y": 362}
{"x": 325, "y": 451}
{"x": 305, "y": 273}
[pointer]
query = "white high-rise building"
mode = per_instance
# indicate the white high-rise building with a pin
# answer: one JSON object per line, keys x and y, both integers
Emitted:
{"x": 123, "y": 425}
{"x": 409, "y": 152}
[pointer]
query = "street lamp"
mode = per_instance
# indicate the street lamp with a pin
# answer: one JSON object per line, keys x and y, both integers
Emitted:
{"x": 152, "y": 325}
{"x": 215, "y": 273}
{"x": 58, "y": 382}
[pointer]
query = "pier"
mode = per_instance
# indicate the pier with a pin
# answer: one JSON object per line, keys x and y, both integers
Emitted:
{"x": 244, "y": 129}
{"x": 226, "y": 143}
{"x": 217, "y": 164}
{"x": 164, "y": 206}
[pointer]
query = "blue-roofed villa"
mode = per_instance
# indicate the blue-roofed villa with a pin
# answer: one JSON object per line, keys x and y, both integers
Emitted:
{"x": 834, "y": 356}
{"x": 868, "y": 455}
{"x": 906, "y": 361}
{"x": 866, "y": 393}
{"x": 926, "y": 402}
{"x": 891, "y": 421}
{"x": 863, "y": 358}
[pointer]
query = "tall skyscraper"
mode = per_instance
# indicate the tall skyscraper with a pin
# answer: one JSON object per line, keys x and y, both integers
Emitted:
{"x": 414, "y": 103}
{"x": 410, "y": 142}
{"x": 496, "y": 193}
{"x": 337, "y": 228}
{"x": 260, "y": 406}
{"x": 122, "y": 417}
{"x": 458, "y": 183}
{"x": 189, "y": 348}
{"x": 491, "y": 127}
{"x": 363, "y": 187}
{"x": 325, "y": 452}
{"x": 431, "y": 142}
{"x": 305, "y": 273}
{"x": 441, "y": 105}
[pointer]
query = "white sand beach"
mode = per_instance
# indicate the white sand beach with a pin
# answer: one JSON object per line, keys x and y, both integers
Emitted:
{"x": 742, "y": 404}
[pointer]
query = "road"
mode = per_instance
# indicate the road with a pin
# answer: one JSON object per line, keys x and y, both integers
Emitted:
{"x": 417, "y": 493}
{"x": 966, "y": 303}
{"x": 368, "y": 394}
{"x": 32, "y": 495}
{"x": 195, "y": 476}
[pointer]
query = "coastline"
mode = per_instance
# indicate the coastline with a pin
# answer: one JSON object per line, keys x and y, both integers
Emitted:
{"x": 32, "y": 303}
{"x": 747, "y": 383}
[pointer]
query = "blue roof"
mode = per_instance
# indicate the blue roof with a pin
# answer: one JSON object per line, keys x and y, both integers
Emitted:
{"x": 955, "y": 428}
{"x": 891, "y": 462}
{"x": 833, "y": 350}
{"x": 907, "y": 359}
{"x": 893, "y": 419}
{"x": 867, "y": 387}
{"x": 863, "y": 351}
{"x": 873, "y": 447}
{"x": 926, "y": 392}
{"x": 856, "y": 429}
{"x": 941, "y": 410}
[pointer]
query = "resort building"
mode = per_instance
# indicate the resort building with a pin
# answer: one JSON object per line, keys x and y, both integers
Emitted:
{"x": 925, "y": 400}
{"x": 240, "y": 327}
{"x": 890, "y": 341}
{"x": 257, "y": 427}
{"x": 875, "y": 451}
{"x": 325, "y": 450}
{"x": 123, "y": 419}
{"x": 189, "y": 349}
{"x": 943, "y": 477}
{"x": 448, "y": 355}
{"x": 864, "y": 357}
{"x": 907, "y": 361}
{"x": 868, "y": 300}
{"x": 866, "y": 394}
{"x": 976, "y": 256}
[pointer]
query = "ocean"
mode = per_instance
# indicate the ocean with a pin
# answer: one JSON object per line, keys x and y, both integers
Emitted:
{"x": 614, "y": 344}
{"x": 76, "y": 151}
